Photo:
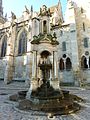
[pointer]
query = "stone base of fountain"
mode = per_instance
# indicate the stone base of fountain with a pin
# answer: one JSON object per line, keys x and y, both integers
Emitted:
{"x": 54, "y": 101}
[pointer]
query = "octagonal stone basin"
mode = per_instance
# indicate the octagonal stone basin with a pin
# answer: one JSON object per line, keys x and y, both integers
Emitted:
{"x": 48, "y": 100}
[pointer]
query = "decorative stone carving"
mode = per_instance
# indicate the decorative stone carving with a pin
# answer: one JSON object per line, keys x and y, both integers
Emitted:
{"x": 45, "y": 37}
{"x": 27, "y": 10}
{"x": 13, "y": 16}
{"x": 44, "y": 11}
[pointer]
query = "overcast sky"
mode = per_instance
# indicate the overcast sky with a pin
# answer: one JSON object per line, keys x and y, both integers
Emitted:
{"x": 17, "y": 6}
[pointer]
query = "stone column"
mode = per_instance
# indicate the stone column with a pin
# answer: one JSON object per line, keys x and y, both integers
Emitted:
{"x": 29, "y": 55}
{"x": 53, "y": 77}
{"x": 10, "y": 55}
{"x": 28, "y": 68}
{"x": 50, "y": 74}
{"x": 34, "y": 81}
{"x": 54, "y": 82}
{"x": 65, "y": 64}
{"x": 55, "y": 65}
{"x": 34, "y": 65}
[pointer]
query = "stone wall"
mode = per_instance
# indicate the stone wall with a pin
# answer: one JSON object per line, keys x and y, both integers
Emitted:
{"x": 20, "y": 68}
{"x": 2, "y": 68}
{"x": 66, "y": 77}
{"x": 86, "y": 76}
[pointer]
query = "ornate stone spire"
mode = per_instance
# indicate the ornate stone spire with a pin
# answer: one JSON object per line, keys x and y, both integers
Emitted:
{"x": 60, "y": 11}
{"x": 1, "y": 8}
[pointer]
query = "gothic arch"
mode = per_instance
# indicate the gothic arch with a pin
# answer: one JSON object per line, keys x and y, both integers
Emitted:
{"x": 84, "y": 62}
{"x": 45, "y": 65}
{"x": 22, "y": 41}
{"x": 61, "y": 64}
{"x": 41, "y": 49}
{"x": 44, "y": 55}
{"x": 3, "y": 45}
{"x": 68, "y": 63}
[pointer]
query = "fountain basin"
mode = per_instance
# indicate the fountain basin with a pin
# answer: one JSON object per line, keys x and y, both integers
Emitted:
{"x": 55, "y": 105}
{"x": 47, "y": 99}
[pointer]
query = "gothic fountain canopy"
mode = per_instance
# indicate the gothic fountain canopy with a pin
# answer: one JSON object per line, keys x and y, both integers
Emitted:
{"x": 47, "y": 38}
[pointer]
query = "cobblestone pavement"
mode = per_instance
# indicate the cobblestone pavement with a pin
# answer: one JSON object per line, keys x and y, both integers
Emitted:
{"x": 9, "y": 112}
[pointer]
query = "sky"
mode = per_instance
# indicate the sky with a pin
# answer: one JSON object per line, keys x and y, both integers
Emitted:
{"x": 17, "y": 6}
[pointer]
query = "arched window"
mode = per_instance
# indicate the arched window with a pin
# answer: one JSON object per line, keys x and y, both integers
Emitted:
{"x": 22, "y": 47}
{"x": 4, "y": 46}
{"x": 61, "y": 64}
{"x": 68, "y": 64}
{"x": 84, "y": 62}
{"x": 86, "y": 42}
{"x": 44, "y": 26}
{"x": 63, "y": 46}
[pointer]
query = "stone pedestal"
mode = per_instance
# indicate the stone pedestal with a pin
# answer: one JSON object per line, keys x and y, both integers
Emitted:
{"x": 33, "y": 87}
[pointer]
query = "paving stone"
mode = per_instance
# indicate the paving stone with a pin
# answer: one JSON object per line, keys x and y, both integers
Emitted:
{"x": 8, "y": 112}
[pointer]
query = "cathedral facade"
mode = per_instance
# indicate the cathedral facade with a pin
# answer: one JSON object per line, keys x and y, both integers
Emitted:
{"x": 44, "y": 37}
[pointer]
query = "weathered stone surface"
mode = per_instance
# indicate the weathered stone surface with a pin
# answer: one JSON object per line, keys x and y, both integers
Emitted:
{"x": 8, "y": 112}
{"x": 24, "y": 104}
{"x": 13, "y": 97}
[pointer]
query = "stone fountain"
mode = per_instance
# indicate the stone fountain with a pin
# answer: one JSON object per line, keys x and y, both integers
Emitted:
{"x": 42, "y": 96}
{"x": 45, "y": 93}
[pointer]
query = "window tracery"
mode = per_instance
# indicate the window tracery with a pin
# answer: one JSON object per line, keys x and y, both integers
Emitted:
{"x": 22, "y": 47}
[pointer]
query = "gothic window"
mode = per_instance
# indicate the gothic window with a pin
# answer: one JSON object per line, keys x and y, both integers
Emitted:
{"x": 86, "y": 42}
{"x": 4, "y": 46}
{"x": 68, "y": 64}
{"x": 84, "y": 62}
{"x": 61, "y": 64}
{"x": 22, "y": 47}
{"x": 83, "y": 26}
{"x": 63, "y": 46}
{"x": 44, "y": 26}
